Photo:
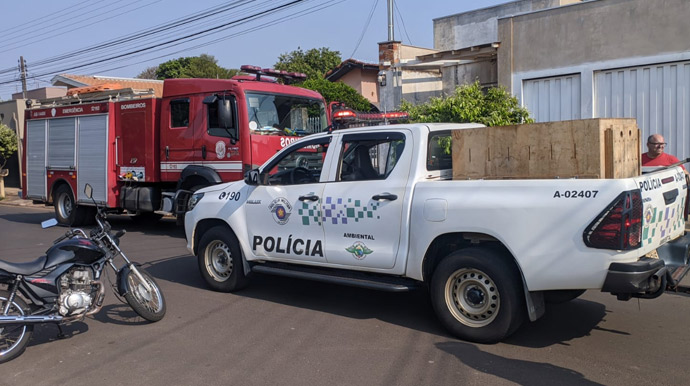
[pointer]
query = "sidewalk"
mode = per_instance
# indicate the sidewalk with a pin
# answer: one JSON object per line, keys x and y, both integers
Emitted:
{"x": 12, "y": 198}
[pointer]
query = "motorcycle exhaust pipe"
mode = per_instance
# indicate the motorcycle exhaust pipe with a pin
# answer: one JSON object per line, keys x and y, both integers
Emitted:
{"x": 17, "y": 319}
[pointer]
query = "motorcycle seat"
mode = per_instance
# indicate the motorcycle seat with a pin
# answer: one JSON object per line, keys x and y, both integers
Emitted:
{"x": 24, "y": 268}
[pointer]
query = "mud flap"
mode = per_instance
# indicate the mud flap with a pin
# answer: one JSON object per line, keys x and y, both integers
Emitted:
{"x": 122, "y": 285}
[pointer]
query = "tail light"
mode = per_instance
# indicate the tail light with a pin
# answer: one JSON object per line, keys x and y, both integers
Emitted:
{"x": 619, "y": 226}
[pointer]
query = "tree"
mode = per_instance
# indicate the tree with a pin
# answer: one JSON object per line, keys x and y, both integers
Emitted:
{"x": 315, "y": 63}
{"x": 469, "y": 103}
{"x": 338, "y": 91}
{"x": 8, "y": 144}
{"x": 149, "y": 73}
{"x": 495, "y": 107}
{"x": 202, "y": 66}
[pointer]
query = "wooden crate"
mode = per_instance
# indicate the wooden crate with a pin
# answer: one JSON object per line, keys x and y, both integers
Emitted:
{"x": 586, "y": 148}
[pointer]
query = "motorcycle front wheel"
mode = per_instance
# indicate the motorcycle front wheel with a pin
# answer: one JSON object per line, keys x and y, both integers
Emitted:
{"x": 14, "y": 337}
{"x": 150, "y": 305}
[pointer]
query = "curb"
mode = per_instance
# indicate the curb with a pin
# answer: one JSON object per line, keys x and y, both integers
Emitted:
{"x": 12, "y": 199}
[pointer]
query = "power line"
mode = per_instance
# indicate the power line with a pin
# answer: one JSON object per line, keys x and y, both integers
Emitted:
{"x": 402, "y": 22}
{"x": 192, "y": 36}
{"x": 366, "y": 26}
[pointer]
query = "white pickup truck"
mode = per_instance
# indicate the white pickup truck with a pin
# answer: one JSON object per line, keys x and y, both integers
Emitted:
{"x": 376, "y": 208}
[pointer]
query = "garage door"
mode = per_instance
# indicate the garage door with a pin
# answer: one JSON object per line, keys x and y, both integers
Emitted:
{"x": 658, "y": 96}
{"x": 553, "y": 99}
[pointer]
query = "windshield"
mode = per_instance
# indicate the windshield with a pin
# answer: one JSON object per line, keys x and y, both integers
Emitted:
{"x": 285, "y": 114}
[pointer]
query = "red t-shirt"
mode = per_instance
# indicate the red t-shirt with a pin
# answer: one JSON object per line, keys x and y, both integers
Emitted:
{"x": 664, "y": 159}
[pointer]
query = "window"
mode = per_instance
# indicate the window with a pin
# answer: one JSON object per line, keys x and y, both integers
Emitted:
{"x": 370, "y": 158}
{"x": 301, "y": 164}
{"x": 179, "y": 113}
{"x": 438, "y": 155}
{"x": 273, "y": 113}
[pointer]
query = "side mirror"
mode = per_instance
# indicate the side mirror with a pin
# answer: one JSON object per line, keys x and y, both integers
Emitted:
{"x": 88, "y": 191}
{"x": 252, "y": 177}
{"x": 225, "y": 118}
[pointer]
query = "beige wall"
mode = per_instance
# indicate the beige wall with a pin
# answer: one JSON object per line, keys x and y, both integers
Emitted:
{"x": 43, "y": 93}
{"x": 596, "y": 31}
{"x": 479, "y": 27}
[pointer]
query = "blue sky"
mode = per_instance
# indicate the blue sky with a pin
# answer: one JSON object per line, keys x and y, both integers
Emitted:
{"x": 42, "y": 31}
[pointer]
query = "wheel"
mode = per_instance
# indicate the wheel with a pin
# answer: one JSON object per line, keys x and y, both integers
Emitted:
{"x": 561, "y": 296}
{"x": 146, "y": 218}
{"x": 67, "y": 211}
{"x": 220, "y": 260}
{"x": 150, "y": 305}
{"x": 477, "y": 295}
{"x": 13, "y": 338}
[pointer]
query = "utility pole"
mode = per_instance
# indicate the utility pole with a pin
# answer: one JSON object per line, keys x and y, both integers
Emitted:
{"x": 22, "y": 74}
{"x": 391, "y": 35}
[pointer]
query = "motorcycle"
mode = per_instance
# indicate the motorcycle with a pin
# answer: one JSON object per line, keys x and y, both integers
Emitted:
{"x": 65, "y": 285}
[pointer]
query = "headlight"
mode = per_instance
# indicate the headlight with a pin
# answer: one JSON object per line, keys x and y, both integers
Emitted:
{"x": 196, "y": 197}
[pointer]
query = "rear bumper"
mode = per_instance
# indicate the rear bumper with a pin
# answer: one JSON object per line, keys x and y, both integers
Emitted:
{"x": 645, "y": 278}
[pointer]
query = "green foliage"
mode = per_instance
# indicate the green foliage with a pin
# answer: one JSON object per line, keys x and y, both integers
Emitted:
{"x": 8, "y": 144}
{"x": 469, "y": 104}
{"x": 203, "y": 66}
{"x": 315, "y": 63}
{"x": 495, "y": 107}
{"x": 339, "y": 92}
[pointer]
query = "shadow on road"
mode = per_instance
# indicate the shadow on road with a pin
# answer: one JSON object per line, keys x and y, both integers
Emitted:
{"x": 46, "y": 333}
{"x": 27, "y": 217}
{"x": 164, "y": 227}
{"x": 120, "y": 314}
{"x": 180, "y": 269}
{"x": 560, "y": 324}
{"x": 515, "y": 370}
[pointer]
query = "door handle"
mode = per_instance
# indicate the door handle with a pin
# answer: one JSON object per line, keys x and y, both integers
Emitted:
{"x": 309, "y": 197}
{"x": 167, "y": 152}
{"x": 385, "y": 196}
{"x": 670, "y": 196}
{"x": 203, "y": 151}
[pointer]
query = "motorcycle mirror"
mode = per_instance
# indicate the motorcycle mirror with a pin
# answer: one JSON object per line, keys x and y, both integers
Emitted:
{"x": 88, "y": 191}
{"x": 49, "y": 223}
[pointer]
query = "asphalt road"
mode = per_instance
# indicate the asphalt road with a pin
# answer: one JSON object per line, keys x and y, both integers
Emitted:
{"x": 289, "y": 332}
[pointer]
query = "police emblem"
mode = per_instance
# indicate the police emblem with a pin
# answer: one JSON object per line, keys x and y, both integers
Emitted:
{"x": 359, "y": 250}
{"x": 281, "y": 209}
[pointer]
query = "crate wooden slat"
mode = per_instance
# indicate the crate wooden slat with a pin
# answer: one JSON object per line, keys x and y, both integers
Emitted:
{"x": 587, "y": 148}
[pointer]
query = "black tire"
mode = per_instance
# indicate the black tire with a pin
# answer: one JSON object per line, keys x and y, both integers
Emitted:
{"x": 67, "y": 212}
{"x": 150, "y": 305}
{"x": 477, "y": 295}
{"x": 220, "y": 260}
{"x": 561, "y": 296}
{"x": 14, "y": 338}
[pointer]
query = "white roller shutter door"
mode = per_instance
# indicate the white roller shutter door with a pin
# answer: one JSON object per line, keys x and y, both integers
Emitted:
{"x": 658, "y": 96}
{"x": 92, "y": 156}
{"x": 553, "y": 99}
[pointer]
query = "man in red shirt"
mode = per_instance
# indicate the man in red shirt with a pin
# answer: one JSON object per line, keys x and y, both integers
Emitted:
{"x": 655, "y": 155}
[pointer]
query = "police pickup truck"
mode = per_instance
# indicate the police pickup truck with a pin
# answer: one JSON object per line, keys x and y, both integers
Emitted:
{"x": 377, "y": 208}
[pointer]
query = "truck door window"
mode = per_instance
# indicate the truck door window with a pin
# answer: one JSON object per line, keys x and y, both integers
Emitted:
{"x": 179, "y": 113}
{"x": 370, "y": 159}
{"x": 438, "y": 155}
{"x": 298, "y": 165}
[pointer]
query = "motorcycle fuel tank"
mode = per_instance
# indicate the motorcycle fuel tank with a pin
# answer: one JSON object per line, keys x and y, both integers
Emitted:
{"x": 75, "y": 250}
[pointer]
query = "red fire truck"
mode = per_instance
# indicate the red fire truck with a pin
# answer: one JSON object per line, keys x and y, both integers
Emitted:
{"x": 145, "y": 155}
